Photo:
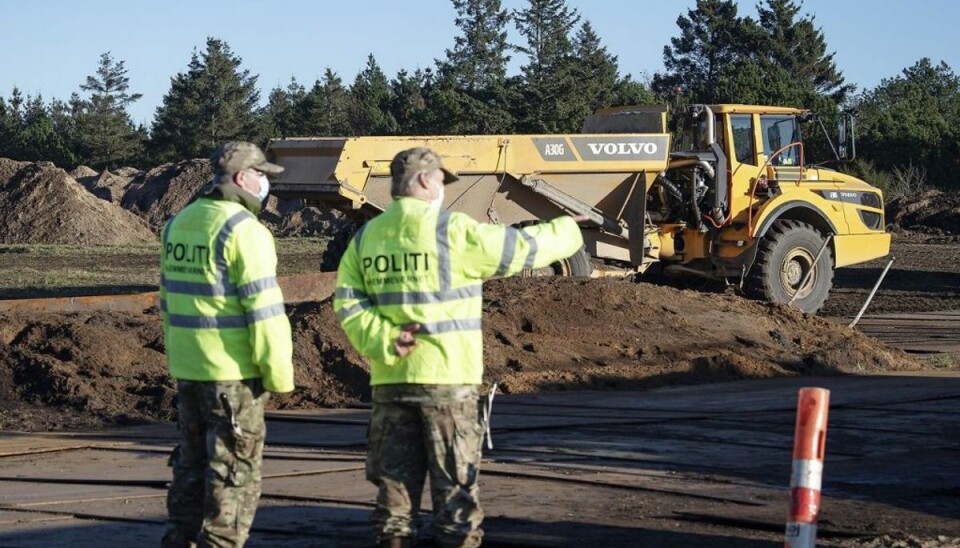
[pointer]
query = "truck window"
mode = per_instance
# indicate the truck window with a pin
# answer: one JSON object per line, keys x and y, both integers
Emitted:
{"x": 742, "y": 126}
{"x": 779, "y": 131}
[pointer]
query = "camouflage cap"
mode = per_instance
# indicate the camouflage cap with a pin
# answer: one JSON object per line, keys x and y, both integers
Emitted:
{"x": 236, "y": 156}
{"x": 413, "y": 160}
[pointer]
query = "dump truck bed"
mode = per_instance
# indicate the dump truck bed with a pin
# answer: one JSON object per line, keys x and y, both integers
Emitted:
{"x": 509, "y": 179}
{"x": 354, "y": 172}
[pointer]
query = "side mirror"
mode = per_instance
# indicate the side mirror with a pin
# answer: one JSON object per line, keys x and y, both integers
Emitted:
{"x": 846, "y": 137}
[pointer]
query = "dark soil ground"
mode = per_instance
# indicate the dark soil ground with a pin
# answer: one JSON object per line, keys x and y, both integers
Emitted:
{"x": 541, "y": 334}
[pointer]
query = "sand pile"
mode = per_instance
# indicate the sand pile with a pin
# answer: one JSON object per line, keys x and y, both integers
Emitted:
{"x": 83, "y": 173}
{"x": 42, "y": 204}
{"x": 63, "y": 371}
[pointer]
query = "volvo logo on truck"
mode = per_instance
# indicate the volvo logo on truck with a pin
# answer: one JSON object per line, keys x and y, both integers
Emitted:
{"x": 622, "y": 147}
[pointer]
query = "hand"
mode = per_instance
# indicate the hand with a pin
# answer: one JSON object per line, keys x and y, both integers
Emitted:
{"x": 580, "y": 218}
{"x": 406, "y": 342}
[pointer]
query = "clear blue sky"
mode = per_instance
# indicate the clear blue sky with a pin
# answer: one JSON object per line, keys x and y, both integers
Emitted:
{"x": 50, "y": 46}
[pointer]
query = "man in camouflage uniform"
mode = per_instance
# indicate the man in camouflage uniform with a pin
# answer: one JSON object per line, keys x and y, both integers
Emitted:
{"x": 409, "y": 298}
{"x": 228, "y": 345}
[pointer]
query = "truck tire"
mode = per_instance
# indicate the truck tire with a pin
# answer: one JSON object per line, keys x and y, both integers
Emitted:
{"x": 336, "y": 247}
{"x": 784, "y": 257}
{"x": 576, "y": 265}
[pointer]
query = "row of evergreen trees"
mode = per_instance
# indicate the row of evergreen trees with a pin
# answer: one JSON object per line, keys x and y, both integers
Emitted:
{"x": 719, "y": 56}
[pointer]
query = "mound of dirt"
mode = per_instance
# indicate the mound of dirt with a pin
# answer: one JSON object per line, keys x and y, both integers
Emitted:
{"x": 541, "y": 334}
{"x": 932, "y": 212}
{"x": 110, "y": 186}
{"x": 291, "y": 219}
{"x": 82, "y": 173}
{"x": 575, "y": 333}
{"x": 163, "y": 191}
{"x": 41, "y": 204}
{"x": 82, "y": 369}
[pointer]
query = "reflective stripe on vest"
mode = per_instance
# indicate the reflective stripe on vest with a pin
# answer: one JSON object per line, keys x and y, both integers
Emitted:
{"x": 532, "y": 255}
{"x": 412, "y": 297}
{"x": 348, "y": 311}
{"x": 443, "y": 249}
{"x": 221, "y": 322}
{"x": 509, "y": 250}
{"x": 448, "y": 326}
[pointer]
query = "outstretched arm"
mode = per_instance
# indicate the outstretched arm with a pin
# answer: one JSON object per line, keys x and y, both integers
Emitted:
{"x": 498, "y": 250}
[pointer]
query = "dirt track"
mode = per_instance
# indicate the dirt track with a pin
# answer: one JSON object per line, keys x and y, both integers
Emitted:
{"x": 925, "y": 276}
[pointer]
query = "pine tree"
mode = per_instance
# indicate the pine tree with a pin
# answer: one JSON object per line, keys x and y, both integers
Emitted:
{"x": 795, "y": 45}
{"x": 478, "y": 60}
{"x": 66, "y": 117}
{"x": 471, "y": 93}
{"x": 325, "y": 109}
{"x": 11, "y": 118}
{"x": 213, "y": 102}
{"x": 598, "y": 74}
{"x": 701, "y": 63}
{"x": 6, "y": 129}
{"x": 409, "y": 103}
{"x": 632, "y": 92}
{"x": 107, "y": 135}
{"x": 280, "y": 117}
{"x": 549, "y": 84}
{"x": 370, "y": 102}
{"x": 36, "y": 138}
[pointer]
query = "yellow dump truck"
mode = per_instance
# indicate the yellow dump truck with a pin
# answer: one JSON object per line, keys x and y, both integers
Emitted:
{"x": 729, "y": 198}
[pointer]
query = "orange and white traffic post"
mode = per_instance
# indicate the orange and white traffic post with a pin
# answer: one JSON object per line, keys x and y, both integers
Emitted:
{"x": 809, "y": 442}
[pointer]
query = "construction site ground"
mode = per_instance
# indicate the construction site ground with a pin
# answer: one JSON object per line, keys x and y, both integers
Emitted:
{"x": 663, "y": 417}
{"x": 628, "y": 415}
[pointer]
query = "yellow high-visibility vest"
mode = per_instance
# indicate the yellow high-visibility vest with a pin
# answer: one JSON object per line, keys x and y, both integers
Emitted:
{"x": 415, "y": 263}
{"x": 223, "y": 312}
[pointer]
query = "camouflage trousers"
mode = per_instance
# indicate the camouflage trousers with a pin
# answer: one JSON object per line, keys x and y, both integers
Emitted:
{"x": 416, "y": 430}
{"x": 216, "y": 470}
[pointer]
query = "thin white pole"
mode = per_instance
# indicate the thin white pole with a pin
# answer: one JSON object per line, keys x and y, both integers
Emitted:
{"x": 870, "y": 297}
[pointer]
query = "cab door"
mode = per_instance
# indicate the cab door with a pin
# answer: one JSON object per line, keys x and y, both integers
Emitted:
{"x": 782, "y": 151}
{"x": 743, "y": 161}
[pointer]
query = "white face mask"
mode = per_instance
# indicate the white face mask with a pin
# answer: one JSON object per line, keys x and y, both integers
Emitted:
{"x": 438, "y": 201}
{"x": 264, "y": 188}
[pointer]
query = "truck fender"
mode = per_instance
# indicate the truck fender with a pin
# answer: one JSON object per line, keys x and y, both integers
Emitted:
{"x": 793, "y": 209}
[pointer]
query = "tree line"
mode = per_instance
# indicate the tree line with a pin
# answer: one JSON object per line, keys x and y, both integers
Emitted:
{"x": 908, "y": 126}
